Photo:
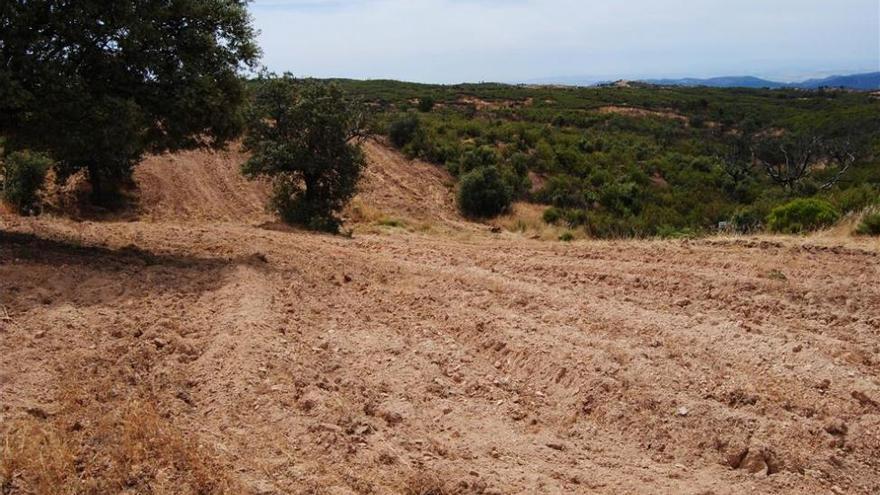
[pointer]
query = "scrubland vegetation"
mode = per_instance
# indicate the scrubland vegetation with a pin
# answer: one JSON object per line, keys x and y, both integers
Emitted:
{"x": 642, "y": 160}
{"x": 617, "y": 161}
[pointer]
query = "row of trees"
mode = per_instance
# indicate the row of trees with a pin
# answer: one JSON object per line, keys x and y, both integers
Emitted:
{"x": 94, "y": 86}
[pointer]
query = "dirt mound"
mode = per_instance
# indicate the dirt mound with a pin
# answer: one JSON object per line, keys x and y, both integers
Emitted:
{"x": 199, "y": 186}
{"x": 410, "y": 192}
{"x": 207, "y": 186}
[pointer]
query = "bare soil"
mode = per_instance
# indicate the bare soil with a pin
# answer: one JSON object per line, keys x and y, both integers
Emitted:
{"x": 641, "y": 112}
{"x": 199, "y": 349}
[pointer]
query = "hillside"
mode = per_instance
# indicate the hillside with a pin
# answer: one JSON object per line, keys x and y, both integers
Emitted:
{"x": 859, "y": 82}
{"x": 632, "y": 160}
{"x": 197, "y": 349}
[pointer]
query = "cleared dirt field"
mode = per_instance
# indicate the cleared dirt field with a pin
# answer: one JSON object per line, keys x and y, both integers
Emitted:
{"x": 200, "y": 348}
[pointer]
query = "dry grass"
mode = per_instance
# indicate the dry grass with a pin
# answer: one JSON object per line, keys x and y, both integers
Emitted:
{"x": 528, "y": 219}
{"x": 34, "y": 458}
{"x": 97, "y": 445}
{"x": 423, "y": 483}
{"x": 843, "y": 233}
{"x": 359, "y": 211}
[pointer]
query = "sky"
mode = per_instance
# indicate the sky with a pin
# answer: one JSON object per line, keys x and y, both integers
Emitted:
{"x": 450, "y": 41}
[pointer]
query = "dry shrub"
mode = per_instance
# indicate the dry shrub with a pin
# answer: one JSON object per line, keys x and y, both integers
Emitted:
{"x": 426, "y": 484}
{"x": 360, "y": 212}
{"x": 528, "y": 220}
{"x": 34, "y": 458}
{"x": 100, "y": 442}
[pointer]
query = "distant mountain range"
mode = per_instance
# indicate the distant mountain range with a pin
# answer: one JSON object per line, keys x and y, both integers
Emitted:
{"x": 860, "y": 82}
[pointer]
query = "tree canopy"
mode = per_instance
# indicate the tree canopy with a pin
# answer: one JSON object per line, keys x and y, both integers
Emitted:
{"x": 303, "y": 135}
{"x": 98, "y": 84}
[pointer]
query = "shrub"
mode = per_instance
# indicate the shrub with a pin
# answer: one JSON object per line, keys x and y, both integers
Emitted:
{"x": 855, "y": 198}
{"x": 403, "y": 130}
{"x": 870, "y": 225}
{"x": 802, "y": 215}
{"x": 23, "y": 175}
{"x": 426, "y": 104}
{"x": 481, "y": 157}
{"x": 747, "y": 219}
{"x": 576, "y": 217}
{"x": 563, "y": 191}
{"x": 304, "y": 138}
{"x": 483, "y": 193}
{"x": 552, "y": 215}
{"x": 566, "y": 237}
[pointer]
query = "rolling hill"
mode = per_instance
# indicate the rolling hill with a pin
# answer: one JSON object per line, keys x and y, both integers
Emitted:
{"x": 860, "y": 82}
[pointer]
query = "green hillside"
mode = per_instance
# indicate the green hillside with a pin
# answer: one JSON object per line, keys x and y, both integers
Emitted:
{"x": 640, "y": 160}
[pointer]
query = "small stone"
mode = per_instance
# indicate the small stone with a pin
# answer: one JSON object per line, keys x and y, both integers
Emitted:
{"x": 864, "y": 399}
{"x": 754, "y": 462}
{"x": 556, "y": 446}
{"x": 681, "y": 303}
{"x": 836, "y": 427}
{"x": 683, "y": 411}
{"x": 392, "y": 418}
{"x": 37, "y": 412}
{"x": 330, "y": 427}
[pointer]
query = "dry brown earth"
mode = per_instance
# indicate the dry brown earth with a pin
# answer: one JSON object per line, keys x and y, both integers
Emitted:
{"x": 199, "y": 348}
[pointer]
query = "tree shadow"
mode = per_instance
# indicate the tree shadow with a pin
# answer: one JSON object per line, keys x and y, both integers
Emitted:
{"x": 37, "y": 271}
{"x": 75, "y": 201}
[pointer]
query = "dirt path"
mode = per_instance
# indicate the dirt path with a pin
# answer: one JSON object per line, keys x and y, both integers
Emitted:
{"x": 402, "y": 363}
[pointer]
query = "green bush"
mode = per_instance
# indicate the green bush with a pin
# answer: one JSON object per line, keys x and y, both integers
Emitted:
{"x": 855, "y": 198}
{"x": 562, "y": 191}
{"x": 483, "y": 193}
{"x": 552, "y": 215}
{"x": 426, "y": 104}
{"x": 566, "y": 237}
{"x": 403, "y": 130}
{"x": 747, "y": 219}
{"x": 303, "y": 138}
{"x": 23, "y": 175}
{"x": 802, "y": 215}
{"x": 481, "y": 157}
{"x": 870, "y": 225}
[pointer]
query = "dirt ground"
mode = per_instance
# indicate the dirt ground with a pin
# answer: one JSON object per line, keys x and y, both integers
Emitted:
{"x": 200, "y": 349}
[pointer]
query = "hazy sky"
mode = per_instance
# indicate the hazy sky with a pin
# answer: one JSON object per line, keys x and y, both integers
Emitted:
{"x": 522, "y": 40}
